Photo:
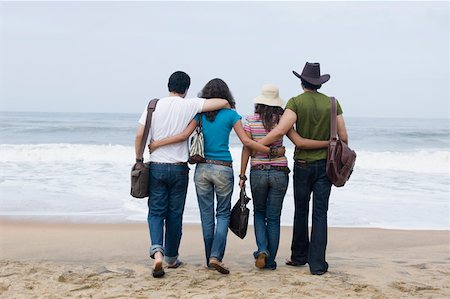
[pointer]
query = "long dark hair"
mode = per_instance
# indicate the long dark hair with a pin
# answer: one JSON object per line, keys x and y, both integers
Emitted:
{"x": 270, "y": 115}
{"x": 216, "y": 88}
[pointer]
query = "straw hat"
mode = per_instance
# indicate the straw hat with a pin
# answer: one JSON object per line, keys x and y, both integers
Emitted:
{"x": 269, "y": 96}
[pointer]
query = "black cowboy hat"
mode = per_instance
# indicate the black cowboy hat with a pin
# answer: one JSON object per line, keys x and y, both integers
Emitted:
{"x": 311, "y": 74}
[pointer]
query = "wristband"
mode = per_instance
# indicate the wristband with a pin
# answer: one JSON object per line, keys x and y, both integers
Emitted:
{"x": 139, "y": 160}
{"x": 243, "y": 177}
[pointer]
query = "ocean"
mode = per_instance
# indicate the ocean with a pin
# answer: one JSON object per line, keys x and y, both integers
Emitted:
{"x": 75, "y": 167}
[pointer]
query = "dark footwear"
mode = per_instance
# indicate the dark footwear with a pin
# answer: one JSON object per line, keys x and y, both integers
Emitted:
{"x": 319, "y": 272}
{"x": 219, "y": 266}
{"x": 175, "y": 265}
{"x": 260, "y": 261}
{"x": 294, "y": 264}
{"x": 158, "y": 271}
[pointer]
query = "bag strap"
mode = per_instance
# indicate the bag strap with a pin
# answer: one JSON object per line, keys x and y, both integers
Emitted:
{"x": 148, "y": 123}
{"x": 199, "y": 125}
{"x": 243, "y": 198}
{"x": 333, "y": 121}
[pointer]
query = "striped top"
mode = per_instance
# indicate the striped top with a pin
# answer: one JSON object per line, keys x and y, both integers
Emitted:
{"x": 255, "y": 126}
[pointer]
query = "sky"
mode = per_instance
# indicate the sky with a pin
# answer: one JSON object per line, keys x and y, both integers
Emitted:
{"x": 386, "y": 59}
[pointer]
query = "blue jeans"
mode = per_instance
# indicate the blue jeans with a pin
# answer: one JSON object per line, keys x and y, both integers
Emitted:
{"x": 210, "y": 179}
{"x": 311, "y": 177}
{"x": 268, "y": 190}
{"x": 168, "y": 188}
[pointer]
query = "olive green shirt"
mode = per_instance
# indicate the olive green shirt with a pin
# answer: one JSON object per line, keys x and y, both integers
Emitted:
{"x": 313, "y": 122}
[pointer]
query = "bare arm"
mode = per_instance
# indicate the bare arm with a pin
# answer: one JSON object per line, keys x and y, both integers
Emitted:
{"x": 175, "y": 138}
{"x": 341, "y": 130}
{"x": 247, "y": 141}
{"x": 215, "y": 104}
{"x": 305, "y": 143}
{"x": 138, "y": 140}
{"x": 244, "y": 161}
{"x": 286, "y": 122}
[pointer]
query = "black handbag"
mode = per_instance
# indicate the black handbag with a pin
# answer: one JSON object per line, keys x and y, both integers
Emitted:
{"x": 239, "y": 215}
{"x": 140, "y": 171}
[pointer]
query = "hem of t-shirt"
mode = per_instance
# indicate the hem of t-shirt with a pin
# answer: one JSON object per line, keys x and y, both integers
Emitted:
{"x": 168, "y": 161}
{"x": 219, "y": 159}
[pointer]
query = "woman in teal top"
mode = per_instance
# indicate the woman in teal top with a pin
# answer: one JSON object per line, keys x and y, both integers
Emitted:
{"x": 216, "y": 175}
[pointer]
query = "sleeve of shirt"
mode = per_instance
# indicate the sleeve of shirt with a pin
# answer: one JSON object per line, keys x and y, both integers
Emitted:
{"x": 291, "y": 105}
{"x": 196, "y": 105}
{"x": 235, "y": 118}
{"x": 247, "y": 127}
{"x": 339, "y": 109}
{"x": 143, "y": 118}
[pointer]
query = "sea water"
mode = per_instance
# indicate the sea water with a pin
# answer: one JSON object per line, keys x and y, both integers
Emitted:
{"x": 76, "y": 167}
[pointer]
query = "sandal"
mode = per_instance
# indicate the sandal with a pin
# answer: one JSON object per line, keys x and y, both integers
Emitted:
{"x": 175, "y": 265}
{"x": 290, "y": 262}
{"x": 158, "y": 271}
{"x": 219, "y": 266}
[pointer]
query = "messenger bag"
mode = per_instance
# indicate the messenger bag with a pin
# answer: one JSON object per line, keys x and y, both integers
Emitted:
{"x": 340, "y": 159}
{"x": 140, "y": 171}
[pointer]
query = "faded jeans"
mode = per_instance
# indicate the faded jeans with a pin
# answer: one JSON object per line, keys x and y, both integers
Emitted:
{"x": 268, "y": 190}
{"x": 210, "y": 179}
{"x": 168, "y": 188}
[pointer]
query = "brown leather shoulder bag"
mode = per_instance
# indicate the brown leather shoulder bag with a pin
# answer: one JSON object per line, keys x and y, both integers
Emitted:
{"x": 340, "y": 159}
{"x": 140, "y": 171}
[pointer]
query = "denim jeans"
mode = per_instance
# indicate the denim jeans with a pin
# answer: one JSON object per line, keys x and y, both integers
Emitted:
{"x": 311, "y": 177}
{"x": 268, "y": 190}
{"x": 168, "y": 188}
{"x": 210, "y": 179}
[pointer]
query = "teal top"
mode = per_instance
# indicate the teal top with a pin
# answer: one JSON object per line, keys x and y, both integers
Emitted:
{"x": 217, "y": 134}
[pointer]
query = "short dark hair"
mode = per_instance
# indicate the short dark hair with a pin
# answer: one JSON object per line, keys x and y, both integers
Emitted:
{"x": 310, "y": 86}
{"x": 179, "y": 82}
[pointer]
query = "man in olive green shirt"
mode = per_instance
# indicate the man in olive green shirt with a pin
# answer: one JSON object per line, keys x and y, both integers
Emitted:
{"x": 310, "y": 112}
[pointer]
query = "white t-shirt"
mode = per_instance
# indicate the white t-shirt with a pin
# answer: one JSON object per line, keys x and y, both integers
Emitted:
{"x": 171, "y": 116}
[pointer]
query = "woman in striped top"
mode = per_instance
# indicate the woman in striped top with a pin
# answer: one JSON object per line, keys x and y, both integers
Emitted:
{"x": 268, "y": 176}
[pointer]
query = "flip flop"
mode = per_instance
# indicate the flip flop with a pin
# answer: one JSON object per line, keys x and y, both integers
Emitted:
{"x": 158, "y": 271}
{"x": 175, "y": 265}
{"x": 294, "y": 264}
{"x": 219, "y": 266}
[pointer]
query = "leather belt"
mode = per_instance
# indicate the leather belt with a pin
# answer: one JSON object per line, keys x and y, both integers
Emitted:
{"x": 303, "y": 162}
{"x": 218, "y": 162}
{"x": 176, "y": 163}
{"x": 270, "y": 167}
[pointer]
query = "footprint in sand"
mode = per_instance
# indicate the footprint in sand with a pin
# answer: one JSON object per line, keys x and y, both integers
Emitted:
{"x": 419, "y": 266}
{"x": 409, "y": 288}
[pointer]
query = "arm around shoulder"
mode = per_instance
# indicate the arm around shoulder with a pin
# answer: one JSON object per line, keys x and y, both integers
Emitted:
{"x": 214, "y": 104}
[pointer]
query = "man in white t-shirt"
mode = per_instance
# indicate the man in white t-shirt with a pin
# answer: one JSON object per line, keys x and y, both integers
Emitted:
{"x": 168, "y": 168}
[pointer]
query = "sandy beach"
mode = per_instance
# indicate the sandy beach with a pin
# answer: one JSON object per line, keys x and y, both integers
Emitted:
{"x": 42, "y": 260}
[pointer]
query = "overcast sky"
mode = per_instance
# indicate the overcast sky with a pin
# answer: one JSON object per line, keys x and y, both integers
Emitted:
{"x": 386, "y": 59}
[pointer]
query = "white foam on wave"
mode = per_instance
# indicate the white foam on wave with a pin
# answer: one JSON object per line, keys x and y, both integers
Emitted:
{"x": 422, "y": 161}
{"x": 65, "y": 152}
{"x": 85, "y": 182}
